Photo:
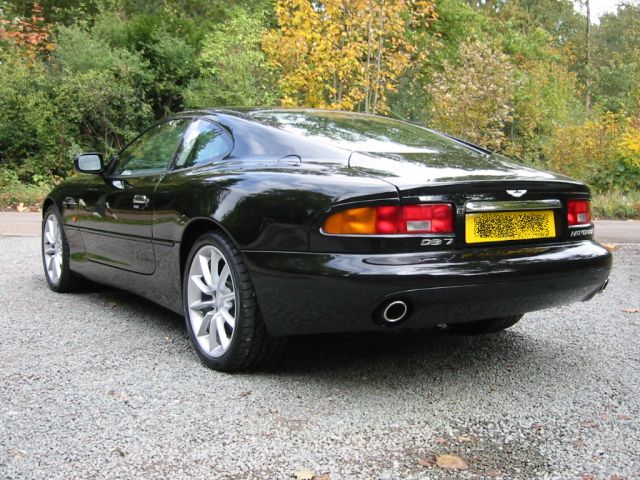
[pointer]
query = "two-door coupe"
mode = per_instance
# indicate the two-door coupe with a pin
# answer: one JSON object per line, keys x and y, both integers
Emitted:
{"x": 262, "y": 223}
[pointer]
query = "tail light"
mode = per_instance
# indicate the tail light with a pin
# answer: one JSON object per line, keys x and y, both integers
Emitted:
{"x": 578, "y": 212}
{"x": 392, "y": 220}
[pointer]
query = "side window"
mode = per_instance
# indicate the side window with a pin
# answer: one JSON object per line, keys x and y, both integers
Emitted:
{"x": 153, "y": 150}
{"x": 204, "y": 142}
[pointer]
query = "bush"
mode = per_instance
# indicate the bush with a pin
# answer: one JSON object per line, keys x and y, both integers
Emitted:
{"x": 233, "y": 69}
{"x": 616, "y": 205}
{"x": 604, "y": 152}
{"x": 29, "y": 125}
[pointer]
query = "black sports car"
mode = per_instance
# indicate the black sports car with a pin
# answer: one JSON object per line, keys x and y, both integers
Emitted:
{"x": 259, "y": 223}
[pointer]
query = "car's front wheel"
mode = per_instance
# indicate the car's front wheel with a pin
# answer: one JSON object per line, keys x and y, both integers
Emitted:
{"x": 223, "y": 319}
{"x": 55, "y": 253}
{"x": 481, "y": 327}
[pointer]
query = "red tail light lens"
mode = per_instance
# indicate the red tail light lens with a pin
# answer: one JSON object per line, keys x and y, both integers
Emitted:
{"x": 578, "y": 212}
{"x": 392, "y": 220}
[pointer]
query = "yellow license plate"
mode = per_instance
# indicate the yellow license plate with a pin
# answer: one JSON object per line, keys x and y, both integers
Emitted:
{"x": 504, "y": 226}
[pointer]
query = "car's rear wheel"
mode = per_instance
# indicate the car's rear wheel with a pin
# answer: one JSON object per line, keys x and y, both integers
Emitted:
{"x": 481, "y": 327}
{"x": 220, "y": 307}
{"x": 55, "y": 253}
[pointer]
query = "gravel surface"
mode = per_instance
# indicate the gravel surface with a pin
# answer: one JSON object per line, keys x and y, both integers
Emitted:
{"x": 102, "y": 384}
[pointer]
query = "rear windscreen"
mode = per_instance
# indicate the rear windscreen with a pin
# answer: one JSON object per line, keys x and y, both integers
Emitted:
{"x": 362, "y": 133}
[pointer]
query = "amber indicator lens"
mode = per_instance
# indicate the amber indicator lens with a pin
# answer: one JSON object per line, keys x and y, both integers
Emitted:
{"x": 578, "y": 212}
{"x": 392, "y": 220}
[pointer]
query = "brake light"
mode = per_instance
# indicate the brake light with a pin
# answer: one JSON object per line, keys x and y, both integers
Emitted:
{"x": 578, "y": 212}
{"x": 392, "y": 220}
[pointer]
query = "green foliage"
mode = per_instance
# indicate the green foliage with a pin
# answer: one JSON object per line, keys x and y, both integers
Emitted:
{"x": 616, "y": 204}
{"x": 616, "y": 61}
{"x": 15, "y": 193}
{"x": 233, "y": 69}
{"x": 604, "y": 151}
{"x": 472, "y": 99}
{"x": 28, "y": 123}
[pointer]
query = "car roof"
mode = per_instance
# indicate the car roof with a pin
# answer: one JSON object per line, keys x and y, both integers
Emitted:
{"x": 318, "y": 132}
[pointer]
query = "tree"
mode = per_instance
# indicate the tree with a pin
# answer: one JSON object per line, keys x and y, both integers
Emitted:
{"x": 473, "y": 99}
{"x": 616, "y": 60}
{"x": 31, "y": 35}
{"x": 233, "y": 69}
{"x": 346, "y": 54}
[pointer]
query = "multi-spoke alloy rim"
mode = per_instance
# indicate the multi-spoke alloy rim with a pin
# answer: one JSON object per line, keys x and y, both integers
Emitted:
{"x": 211, "y": 297}
{"x": 52, "y": 248}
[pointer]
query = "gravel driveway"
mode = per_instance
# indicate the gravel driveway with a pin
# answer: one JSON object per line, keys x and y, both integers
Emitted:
{"x": 102, "y": 384}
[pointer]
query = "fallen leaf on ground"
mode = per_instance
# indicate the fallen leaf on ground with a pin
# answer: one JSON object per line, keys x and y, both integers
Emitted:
{"x": 21, "y": 208}
{"x": 612, "y": 247}
{"x": 587, "y": 477}
{"x": 578, "y": 443}
{"x": 120, "y": 452}
{"x": 588, "y": 423}
{"x": 441, "y": 441}
{"x": 631, "y": 310}
{"x": 494, "y": 473}
{"x": 305, "y": 474}
{"x": 428, "y": 459}
{"x": 16, "y": 454}
{"x": 451, "y": 462}
{"x": 322, "y": 477}
{"x": 465, "y": 439}
{"x": 425, "y": 462}
{"x": 624, "y": 417}
{"x": 119, "y": 395}
{"x": 537, "y": 426}
{"x": 245, "y": 394}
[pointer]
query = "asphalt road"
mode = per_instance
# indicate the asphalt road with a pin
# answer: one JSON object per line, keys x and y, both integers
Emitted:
{"x": 102, "y": 384}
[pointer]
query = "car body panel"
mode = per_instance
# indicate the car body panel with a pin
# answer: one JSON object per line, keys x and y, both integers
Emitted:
{"x": 115, "y": 231}
{"x": 440, "y": 287}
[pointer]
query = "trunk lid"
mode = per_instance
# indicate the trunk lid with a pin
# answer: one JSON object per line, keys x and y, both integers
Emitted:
{"x": 425, "y": 172}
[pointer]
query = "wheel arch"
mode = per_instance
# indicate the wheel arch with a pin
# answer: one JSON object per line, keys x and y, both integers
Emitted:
{"x": 192, "y": 232}
{"x": 46, "y": 204}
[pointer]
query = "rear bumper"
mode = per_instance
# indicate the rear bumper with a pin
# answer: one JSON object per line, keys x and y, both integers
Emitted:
{"x": 301, "y": 293}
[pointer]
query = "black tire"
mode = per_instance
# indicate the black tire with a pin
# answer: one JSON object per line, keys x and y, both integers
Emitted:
{"x": 481, "y": 327}
{"x": 250, "y": 345}
{"x": 67, "y": 280}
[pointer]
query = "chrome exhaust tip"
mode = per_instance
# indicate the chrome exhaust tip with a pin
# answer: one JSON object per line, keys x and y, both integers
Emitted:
{"x": 395, "y": 311}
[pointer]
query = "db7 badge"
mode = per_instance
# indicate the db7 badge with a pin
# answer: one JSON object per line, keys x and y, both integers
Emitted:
{"x": 434, "y": 242}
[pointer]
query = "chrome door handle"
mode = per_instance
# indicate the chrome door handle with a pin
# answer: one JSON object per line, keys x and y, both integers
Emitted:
{"x": 140, "y": 201}
{"x": 69, "y": 202}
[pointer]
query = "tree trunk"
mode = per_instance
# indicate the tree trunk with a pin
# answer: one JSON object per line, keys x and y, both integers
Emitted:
{"x": 587, "y": 65}
{"x": 378, "y": 60}
{"x": 367, "y": 92}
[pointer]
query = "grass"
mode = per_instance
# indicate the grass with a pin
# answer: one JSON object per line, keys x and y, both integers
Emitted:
{"x": 20, "y": 196}
{"x": 616, "y": 205}
{"x": 613, "y": 205}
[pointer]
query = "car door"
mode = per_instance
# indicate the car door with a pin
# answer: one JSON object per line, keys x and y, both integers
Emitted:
{"x": 205, "y": 142}
{"x": 116, "y": 210}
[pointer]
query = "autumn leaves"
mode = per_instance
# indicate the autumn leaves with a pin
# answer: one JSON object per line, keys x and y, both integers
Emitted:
{"x": 346, "y": 55}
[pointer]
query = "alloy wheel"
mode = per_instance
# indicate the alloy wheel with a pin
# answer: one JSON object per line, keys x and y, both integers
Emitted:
{"x": 211, "y": 300}
{"x": 52, "y": 248}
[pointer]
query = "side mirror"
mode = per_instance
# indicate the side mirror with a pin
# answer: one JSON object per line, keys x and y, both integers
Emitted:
{"x": 89, "y": 163}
